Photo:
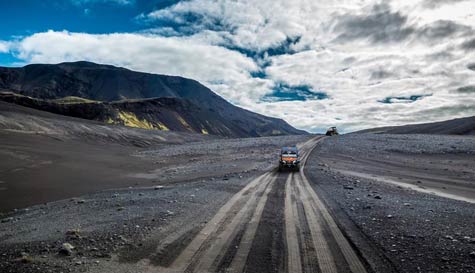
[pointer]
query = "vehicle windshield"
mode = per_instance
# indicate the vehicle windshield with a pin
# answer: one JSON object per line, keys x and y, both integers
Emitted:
{"x": 289, "y": 154}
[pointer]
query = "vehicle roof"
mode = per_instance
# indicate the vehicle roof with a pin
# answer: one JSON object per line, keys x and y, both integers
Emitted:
{"x": 294, "y": 149}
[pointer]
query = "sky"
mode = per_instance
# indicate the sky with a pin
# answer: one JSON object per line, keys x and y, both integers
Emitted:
{"x": 353, "y": 64}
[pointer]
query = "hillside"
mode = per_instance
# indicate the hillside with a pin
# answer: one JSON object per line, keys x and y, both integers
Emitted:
{"x": 86, "y": 82}
{"x": 166, "y": 113}
{"x": 460, "y": 126}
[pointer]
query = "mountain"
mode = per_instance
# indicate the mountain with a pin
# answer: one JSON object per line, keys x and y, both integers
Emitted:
{"x": 460, "y": 126}
{"x": 82, "y": 88}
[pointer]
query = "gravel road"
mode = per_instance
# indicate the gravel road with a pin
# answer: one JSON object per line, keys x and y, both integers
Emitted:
{"x": 177, "y": 197}
{"x": 400, "y": 195}
{"x": 221, "y": 206}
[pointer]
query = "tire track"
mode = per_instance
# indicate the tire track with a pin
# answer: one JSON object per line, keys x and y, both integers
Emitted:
{"x": 210, "y": 259}
{"x": 325, "y": 258}
{"x": 208, "y": 247}
{"x": 294, "y": 262}
{"x": 238, "y": 221}
{"x": 354, "y": 262}
{"x": 183, "y": 261}
{"x": 239, "y": 260}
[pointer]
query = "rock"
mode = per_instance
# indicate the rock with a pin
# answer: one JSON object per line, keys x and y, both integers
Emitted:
{"x": 73, "y": 234}
{"x": 81, "y": 201}
{"x": 25, "y": 258}
{"x": 120, "y": 208}
{"x": 346, "y": 187}
{"x": 367, "y": 207}
{"x": 472, "y": 254}
{"x": 389, "y": 216}
{"x": 66, "y": 249}
{"x": 407, "y": 204}
{"x": 449, "y": 237}
{"x": 6, "y": 220}
{"x": 158, "y": 187}
{"x": 170, "y": 212}
{"x": 377, "y": 197}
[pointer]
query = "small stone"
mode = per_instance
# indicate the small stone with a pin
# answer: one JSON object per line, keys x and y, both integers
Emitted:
{"x": 377, "y": 197}
{"x": 449, "y": 237}
{"x": 25, "y": 258}
{"x": 66, "y": 249}
{"x": 82, "y": 201}
{"x": 158, "y": 187}
{"x": 346, "y": 187}
{"x": 120, "y": 208}
{"x": 6, "y": 220}
{"x": 389, "y": 216}
{"x": 170, "y": 212}
{"x": 472, "y": 254}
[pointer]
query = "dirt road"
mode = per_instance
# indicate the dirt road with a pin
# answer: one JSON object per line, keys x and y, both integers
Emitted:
{"x": 276, "y": 223}
{"x": 206, "y": 207}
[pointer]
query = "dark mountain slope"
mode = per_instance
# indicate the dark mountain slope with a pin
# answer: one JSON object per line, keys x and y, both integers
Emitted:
{"x": 166, "y": 113}
{"x": 460, "y": 126}
{"x": 108, "y": 83}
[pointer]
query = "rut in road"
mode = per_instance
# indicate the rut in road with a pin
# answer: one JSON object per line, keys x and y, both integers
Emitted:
{"x": 311, "y": 238}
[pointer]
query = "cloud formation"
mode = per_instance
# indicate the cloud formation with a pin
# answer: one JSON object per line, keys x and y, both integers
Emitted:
{"x": 353, "y": 64}
{"x": 4, "y": 47}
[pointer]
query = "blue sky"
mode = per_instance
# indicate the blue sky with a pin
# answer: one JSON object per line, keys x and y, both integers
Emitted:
{"x": 26, "y": 17}
{"x": 348, "y": 63}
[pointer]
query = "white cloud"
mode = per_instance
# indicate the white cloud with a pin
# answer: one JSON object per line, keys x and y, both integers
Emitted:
{"x": 412, "y": 49}
{"x": 4, "y": 46}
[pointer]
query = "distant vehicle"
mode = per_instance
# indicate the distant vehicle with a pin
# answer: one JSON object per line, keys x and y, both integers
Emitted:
{"x": 289, "y": 159}
{"x": 332, "y": 131}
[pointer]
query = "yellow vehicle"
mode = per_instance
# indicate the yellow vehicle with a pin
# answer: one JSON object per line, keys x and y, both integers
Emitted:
{"x": 332, "y": 131}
